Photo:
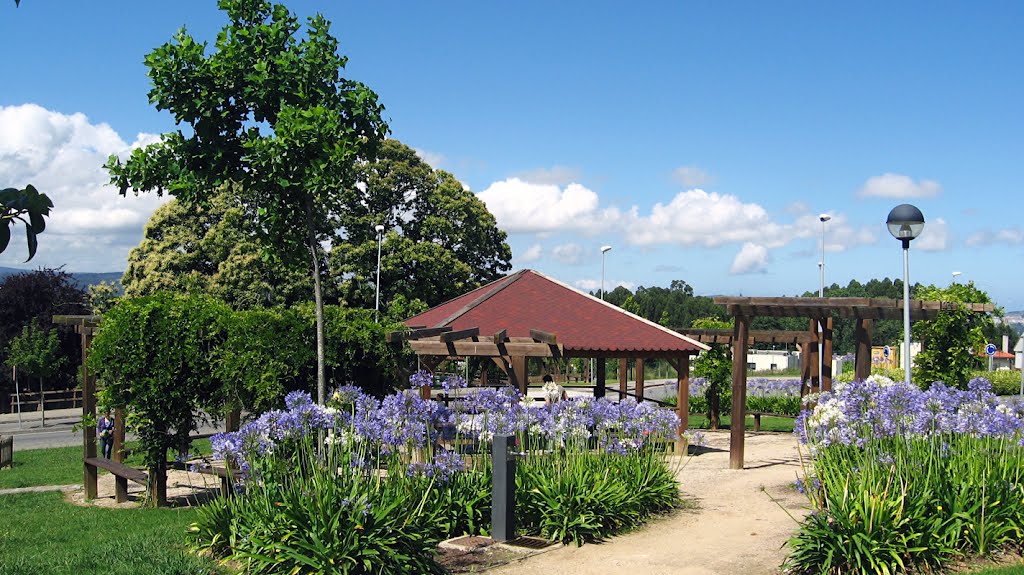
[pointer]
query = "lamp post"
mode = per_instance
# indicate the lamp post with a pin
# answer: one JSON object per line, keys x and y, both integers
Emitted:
{"x": 905, "y": 222}
{"x": 376, "y": 306}
{"x": 821, "y": 265}
{"x": 604, "y": 250}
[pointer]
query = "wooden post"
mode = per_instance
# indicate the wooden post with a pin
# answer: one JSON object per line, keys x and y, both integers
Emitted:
{"x": 826, "y": 355}
{"x": 88, "y": 414}
{"x": 805, "y": 369}
{"x": 683, "y": 393}
{"x": 118, "y": 448}
{"x": 815, "y": 379}
{"x": 739, "y": 391}
{"x": 639, "y": 379}
{"x": 518, "y": 374}
{"x": 602, "y": 375}
{"x": 862, "y": 342}
{"x": 623, "y": 377}
{"x": 232, "y": 419}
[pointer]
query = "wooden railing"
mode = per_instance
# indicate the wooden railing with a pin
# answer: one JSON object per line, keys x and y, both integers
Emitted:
{"x": 54, "y": 399}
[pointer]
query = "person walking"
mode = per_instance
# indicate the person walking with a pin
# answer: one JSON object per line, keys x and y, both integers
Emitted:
{"x": 105, "y": 433}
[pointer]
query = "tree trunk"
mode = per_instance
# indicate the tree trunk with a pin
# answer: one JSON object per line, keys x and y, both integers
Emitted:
{"x": 314, "y": 252}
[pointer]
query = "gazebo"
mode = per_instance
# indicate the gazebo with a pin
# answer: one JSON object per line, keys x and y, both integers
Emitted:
{"x": 528, "y": 314}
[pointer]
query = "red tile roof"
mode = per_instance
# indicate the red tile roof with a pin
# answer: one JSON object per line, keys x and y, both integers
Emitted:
{"x": 998, "y": 355}
{"x": 529, "y": 300}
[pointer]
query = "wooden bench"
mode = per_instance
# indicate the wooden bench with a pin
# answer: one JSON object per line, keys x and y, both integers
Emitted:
{"x": 757, "y": 417}
{"x": 122, "y": 473}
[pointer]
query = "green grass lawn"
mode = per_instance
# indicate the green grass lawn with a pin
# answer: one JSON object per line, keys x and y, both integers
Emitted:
{"x": 778, "y": 424}
{"x": 1012, "y": 570}
{"x": 63, "y": 465}
{"x": 40, "y": 533}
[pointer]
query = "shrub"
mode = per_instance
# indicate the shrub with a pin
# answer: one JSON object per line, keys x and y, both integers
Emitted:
{"x": 904, "y": 479}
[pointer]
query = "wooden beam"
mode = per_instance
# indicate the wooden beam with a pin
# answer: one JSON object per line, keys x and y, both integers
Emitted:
{"x": 826, "y": 354}
{"x": 756, "y": 336}
{"x": 602, "y": 375}
{"x": 501, "y": 337}
{"x": 460, "y": 334}
{"x": 639, "y": 391}
{"x": 518, "y": 374}
{"x": 623, "y": 377}
{"x": 739, "y": 392}
{"x": 683, "y": 392}
{"x": 544, "y": 337}
{"x": 862, "y": 344}
{"x": 484, "y": 349}
{"x": 397, "y": 336}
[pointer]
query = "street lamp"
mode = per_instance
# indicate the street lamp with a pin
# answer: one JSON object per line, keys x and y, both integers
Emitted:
{"x": 604, "y": 250}
{"x": 376, "y": 305}
{"x": 905, "y": 223}
{"x": 821, "y": 265}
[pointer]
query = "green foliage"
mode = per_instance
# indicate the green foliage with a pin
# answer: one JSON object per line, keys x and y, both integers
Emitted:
{"x": 715, "y": 365}
{"x": 41, "y": 533}
{"x": 675, "y": 307}
{"x": 36, "y": 352}
{"x": 586, "y": 496}
{"x": 152, "y": 355}
{"x": 439, "y": 241}
{"x": 898, "y": 504}
{"x": 1004, "y": 381}
{"x": 951, "y": 340}
{"x": 102, "y": 296}
{"x": 270, "y": 113}
{"x": 27, "y": 206}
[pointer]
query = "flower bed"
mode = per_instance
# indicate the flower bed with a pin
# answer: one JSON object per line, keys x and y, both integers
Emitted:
{"x": 901, "y": 479}
{"x": 391, "y": 478}
{"x": 765, "y": 395}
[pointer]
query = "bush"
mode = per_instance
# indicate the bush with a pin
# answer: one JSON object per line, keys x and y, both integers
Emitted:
{"x": 902, "y": 479}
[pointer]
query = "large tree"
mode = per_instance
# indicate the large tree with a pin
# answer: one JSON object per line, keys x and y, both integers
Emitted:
{"x": 440, "y": 240}
{"x": 212, "y": 248}
{"x": 270, "y": 113}
{"x": 41, "y": 294}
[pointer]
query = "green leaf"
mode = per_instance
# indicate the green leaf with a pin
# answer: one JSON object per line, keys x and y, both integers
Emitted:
{"x": 5, "y": 235}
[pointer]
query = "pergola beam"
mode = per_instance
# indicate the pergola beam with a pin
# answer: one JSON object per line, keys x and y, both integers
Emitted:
{"x": 485, "y": 349}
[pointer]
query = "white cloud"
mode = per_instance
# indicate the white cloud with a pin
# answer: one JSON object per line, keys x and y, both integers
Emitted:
{"x": 1011, "y": 236}
{"x": 696, "y": 217}
{"x": 433, "y": 159}
{"x": 898, "y": 186}
{"x": 555, "y": 175}
{"x": 568, "y": 254}
{"x": 751, "y": 259}
{"x": 531, "y": 254}
{"x": 91, "y": 227}
{"x": 691, "y": 176}
{"x": 521, "y": 206}
{"x": 934, "y": 238}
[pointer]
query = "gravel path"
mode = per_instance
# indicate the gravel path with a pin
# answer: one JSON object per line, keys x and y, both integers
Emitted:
{"x": 735, "y": 529}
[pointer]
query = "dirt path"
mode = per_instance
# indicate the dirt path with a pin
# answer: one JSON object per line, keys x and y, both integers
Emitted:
{"x": 736, "y": 529}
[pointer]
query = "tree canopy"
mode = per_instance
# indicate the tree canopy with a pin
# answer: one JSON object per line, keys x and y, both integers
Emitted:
{"x": 270, "y": 113}
{"x": 212, "y": 248}
{"x": 440, "y": 241}
{"x": 39, "y": 295}
{"x": 951, "y": 342}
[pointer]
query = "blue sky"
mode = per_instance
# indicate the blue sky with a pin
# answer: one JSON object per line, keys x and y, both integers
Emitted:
{"x": 700, "y": 139}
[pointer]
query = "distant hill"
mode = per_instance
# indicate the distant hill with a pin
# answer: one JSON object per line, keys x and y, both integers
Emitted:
{"x": 81, "y": 279}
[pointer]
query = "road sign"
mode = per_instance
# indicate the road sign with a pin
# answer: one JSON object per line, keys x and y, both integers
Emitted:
{"x": 886, "y": 351}
{"x": 990, "y": 349}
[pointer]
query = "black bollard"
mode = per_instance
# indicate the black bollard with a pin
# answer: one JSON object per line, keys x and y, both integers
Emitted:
{"x": 503, "y": 492}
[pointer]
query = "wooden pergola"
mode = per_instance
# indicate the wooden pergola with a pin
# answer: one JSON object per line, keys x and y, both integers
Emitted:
{"x": 820, "y": 312}
{"x": 528, "y": 315}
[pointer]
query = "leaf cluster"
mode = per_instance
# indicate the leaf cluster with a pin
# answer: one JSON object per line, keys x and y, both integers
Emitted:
{"x": 27, "y": 206}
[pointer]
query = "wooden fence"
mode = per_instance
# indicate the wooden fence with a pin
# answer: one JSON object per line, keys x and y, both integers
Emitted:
{"x": 7, "y": 451}
{"x": 55, "y": 399}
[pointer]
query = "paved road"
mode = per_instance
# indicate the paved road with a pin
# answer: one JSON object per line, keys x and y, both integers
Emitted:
{"x": 58, "y": 432}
